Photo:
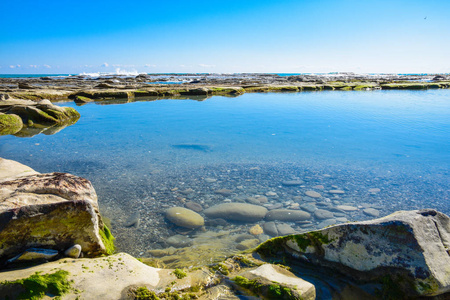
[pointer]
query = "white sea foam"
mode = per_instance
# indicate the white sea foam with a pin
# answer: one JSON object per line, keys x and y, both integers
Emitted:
{"x": 118, "y": 71}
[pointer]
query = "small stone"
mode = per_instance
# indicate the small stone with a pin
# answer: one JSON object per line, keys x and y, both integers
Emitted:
{"x": 73, "y": 251}
{"x": 323, "y": 214}
{"x": 374, "y": 190}
{"x": 309, "y": 207}
{"x": 285, "y": 229}
{"x": 292, "y": 182}
{"x": 193, "y": 206}
{"x": 347, "y": 208}
{"x": 313, "y": 194}
{"x": 270, "y": 228}
{"x": 210, "y": 180}
{"x": 243, "y": 237}
{"x": 255, "y": 230}
{"x": 247, "y": 244}
{"x": 273, "y": 206}
{"x": 179, "y": 241}
{"x": 224, "y": 192}
{"x": 287, "y": 215}
{"x": 336, "y": 192}
{"x": 133, "y": 220}
{"x": 271, "y": 194}
{"x": 184, "y": 217}
{"x": 318, "y": 187}
{"x": 187, "y": 191}
{"x": 371, "y": 212}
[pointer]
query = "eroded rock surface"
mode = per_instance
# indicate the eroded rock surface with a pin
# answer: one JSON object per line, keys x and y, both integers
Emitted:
{"x": 408, "y": 250}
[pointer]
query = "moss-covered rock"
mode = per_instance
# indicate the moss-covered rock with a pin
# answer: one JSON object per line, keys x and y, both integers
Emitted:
{"x": 410, "y": 248}
{"x": 10, "y": 124}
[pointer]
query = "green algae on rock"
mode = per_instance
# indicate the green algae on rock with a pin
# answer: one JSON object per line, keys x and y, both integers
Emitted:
{"x": 10, "y": 124}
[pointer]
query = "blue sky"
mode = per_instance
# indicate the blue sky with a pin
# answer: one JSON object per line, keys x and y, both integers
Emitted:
{"x": 287, "y": 36}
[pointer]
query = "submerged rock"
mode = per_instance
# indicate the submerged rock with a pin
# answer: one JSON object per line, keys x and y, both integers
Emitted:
{"x": 184, "y": 217}
{"x": 242, "y": 212}
{"x": 287, "y": 215}
{"x": 35, "y": 254}
{"x": 407, "y": 251}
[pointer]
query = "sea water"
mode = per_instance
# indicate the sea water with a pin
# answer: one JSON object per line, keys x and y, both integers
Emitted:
{"x": 385, "y": 150}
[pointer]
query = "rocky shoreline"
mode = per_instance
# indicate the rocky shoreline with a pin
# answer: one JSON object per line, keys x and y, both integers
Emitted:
{"x": 50, "y": 248}
{"x": 84, "y": 89}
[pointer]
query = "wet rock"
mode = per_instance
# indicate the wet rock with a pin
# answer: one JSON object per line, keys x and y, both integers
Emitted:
{"x": 133, "y": 220}
{"x": 309, "y": 207}
{"x": 287, "y": 215}
{"x": 347, "y": 208}
{"x": 73, "y": 252}
{"x": 406, "y": 251}
{"x": 270, "y": 228}
{"x": 372, "y": 212}
{"x": 242, "y": 212}
{"x": 292, "y": 182}
{"x": 255, "y": 230}
{"x": 193, "y": 206}
{"x": 179, "y": 241}
{"x": 35, "y": 254}
{"x": 285, "y": 229}
{"x": 313, "y": 194}
{"x": 184, "y": 217}
{"x": 10, "y": 124}
{"x": 243, "y": 237}
{"x": 224, "y": 192}
{"x": 339, "y": 192}
{"x": 323, "y": 214}
{"x": 247, "y": 244}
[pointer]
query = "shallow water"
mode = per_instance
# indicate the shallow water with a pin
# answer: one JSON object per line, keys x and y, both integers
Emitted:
{"x": 147, "y": 156}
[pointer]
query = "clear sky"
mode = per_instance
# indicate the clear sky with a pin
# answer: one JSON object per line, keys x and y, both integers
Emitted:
{"x": 277, "y": 36}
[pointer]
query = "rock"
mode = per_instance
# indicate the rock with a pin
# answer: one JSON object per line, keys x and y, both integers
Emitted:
{"x": 374, "y": 190}
{"x": 309, "y": 207}
{"x": 270, "y": 228}
{"x": 45, "y": 189}
{"x": 326, "y": 223}
{"x": 10, "y": 124}
{"x": 210, "y": 180}
{"x": 247, "y": 244}
{"x": 336, "y": 192}
{"x": 193, "y": 206}
{"x": 245, "y": 236}
{"x": 224, "y": 192}
{"x": 74, "y": 251}
{"x": 184, "y": 217}
{"x": 287, "y": 215}
{"x": 187, "y": 191}
{"x": 347, "y": 208}
{"x": 255, "y": 230}
{"x": 242, "y": 212}
{"x": 257, "y": 200}
{"x": 35, "y": 254}
{"x": 216, "y": 222}
{"x": 112, "y": 277}
{"x": 319, "y": 187}
{"x": 407, "y": 251}
{"x": 313, "y": 194}
{"x": 133, "y": 220}
{"x": 273, "y": 206}
{"x": 271, "y": 194}
{"x": 285, "y": 229}
{"x": 55, "y": 226}
{"x": 323, "y": 214}
{"x": 10, "y": 169}
{"x": 372, "y": 212}
{"x": 292, "y": 182}
{"x": 179, "y": 241}
{"x": 269, "y": 276}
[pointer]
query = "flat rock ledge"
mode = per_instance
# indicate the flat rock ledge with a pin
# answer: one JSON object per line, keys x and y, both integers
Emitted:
{"x": 407, "y": 252}
{"x": 17, "y": 114}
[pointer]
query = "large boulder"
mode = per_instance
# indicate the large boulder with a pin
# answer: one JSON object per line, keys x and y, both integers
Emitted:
{"x": 408, "y": 251}
{"x": 10, "y": 124}
{"x": 54, "y": 211}
{"x": 241, "y": 212}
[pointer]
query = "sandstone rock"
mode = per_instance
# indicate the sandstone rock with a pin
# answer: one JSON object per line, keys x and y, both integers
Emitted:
{"x": 242, "y": 212}
{"x": 73, "y": 251}
{"x": 287, "y": 215}
{"x": 184, "y": 217}
{"x": 10, "y": 169}
{"x": 45, "y": 189}
{"x": 407, "y": 250}
{"x": 269, "y": 275}
{"x": 313, "y": 194}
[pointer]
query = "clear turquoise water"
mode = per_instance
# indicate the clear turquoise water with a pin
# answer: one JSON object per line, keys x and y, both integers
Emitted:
{"x": 135, "y": 153}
